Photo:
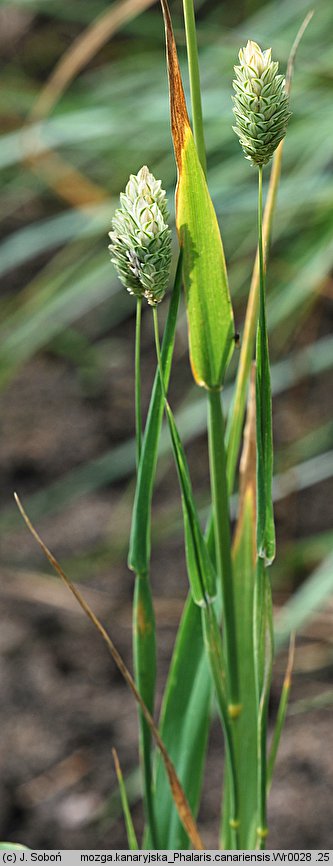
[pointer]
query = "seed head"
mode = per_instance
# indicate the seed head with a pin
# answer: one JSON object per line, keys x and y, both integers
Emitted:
{"x": 261, "y": 104}
{"x": 141, "y": 239}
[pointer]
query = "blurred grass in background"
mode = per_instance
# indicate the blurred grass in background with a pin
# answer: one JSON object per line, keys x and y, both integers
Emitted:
{"x": 67, "y": 357}
{"x": 60, "y": 180}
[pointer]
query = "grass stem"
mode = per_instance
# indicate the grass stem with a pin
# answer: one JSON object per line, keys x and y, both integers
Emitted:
{"x": 138, "y": 414}
{"x": 144, "y": 653}
{"x": 194, "y": 75}
{"x": 158, "y": 353}
{"x": 144, "y": 631}
{"x": 262, "y": 756}
{"x": 262, "y": 279}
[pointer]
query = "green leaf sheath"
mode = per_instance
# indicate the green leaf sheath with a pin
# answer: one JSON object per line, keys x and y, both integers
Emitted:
{"x": 263, "y": 648}
{"x": 184, "y": 726}
{"x": 140, "y": 538}
{"x": 214, "y": 649}
{"x": 245, "y": 729}
{"x": 265, "y": 515}
{"x": 244, "y": 557}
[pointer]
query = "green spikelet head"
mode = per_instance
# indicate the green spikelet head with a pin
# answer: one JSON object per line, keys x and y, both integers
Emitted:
{"x": 141, "y": 239}
{"x": 261, "y": 104}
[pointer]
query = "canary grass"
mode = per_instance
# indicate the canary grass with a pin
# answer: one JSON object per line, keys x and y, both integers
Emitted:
{"x": 224, "y": 647}
{"x": 261, "y": 109}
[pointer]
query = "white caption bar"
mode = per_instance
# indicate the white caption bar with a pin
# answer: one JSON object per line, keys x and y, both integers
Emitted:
{"x": 174, "y": 858}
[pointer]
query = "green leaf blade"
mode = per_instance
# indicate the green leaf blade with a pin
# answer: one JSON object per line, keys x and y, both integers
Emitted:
{"x": 130, "y": 832}
{"x": 200, "y": 570}
{"x": 209, "y": 310}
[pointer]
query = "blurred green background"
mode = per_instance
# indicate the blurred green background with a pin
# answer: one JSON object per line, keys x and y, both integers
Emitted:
{"x": 69, "y": 141}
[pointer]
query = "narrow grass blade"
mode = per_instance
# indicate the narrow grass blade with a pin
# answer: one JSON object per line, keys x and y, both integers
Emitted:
{"x": 45, "y": 235}
{"x": 305, "y": 705}
{"x": 179, "y": 797}
{"x": 309, "y": 598}
{"x": 209, "y": 311}
{"x": 131, "y": 837}
{"x": 199, "y": 567}
{"x": 140, "y": 539}
{"x": 282, "y": 712}
{"x": 53, "y": 302}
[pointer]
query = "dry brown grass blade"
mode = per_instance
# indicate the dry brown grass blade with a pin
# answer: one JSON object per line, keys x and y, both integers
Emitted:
{"x": 83, "y": 50}
{"x": 116, "y": 764}
{"x": 282, "y": 712}
{"x": 294, "y": 47}
{"x": 130, "y": 830}
{"x": 179, "y": 117}
{"x": 290, "y": 662}
{"x": 65, "y": 180}
{"x": 248, "y": 467}
{"x": 68, "y": 183}
{"x": 178, "y": 794}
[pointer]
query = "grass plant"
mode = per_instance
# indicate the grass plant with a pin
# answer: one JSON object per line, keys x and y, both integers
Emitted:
{"x": 224, "y": 650}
